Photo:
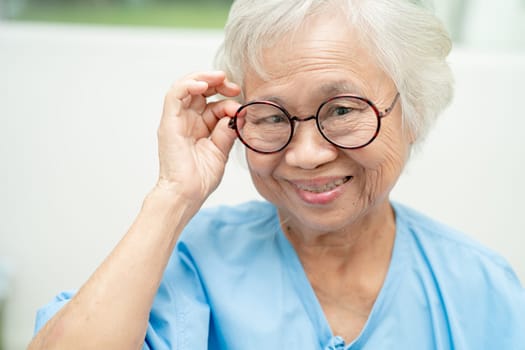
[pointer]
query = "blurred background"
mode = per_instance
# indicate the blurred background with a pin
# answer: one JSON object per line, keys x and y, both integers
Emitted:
{"x": 157, "y": 13}
{"x": 81, "y": 90}
{"x": 480, "y": 23}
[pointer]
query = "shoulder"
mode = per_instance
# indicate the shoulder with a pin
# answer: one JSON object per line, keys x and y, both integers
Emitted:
{"x": 476, "y": 285}
{"x": 241, "y": 214}
{"x": 438, "y": 238}
{"x": 453, "y": 257}
{"x": 224, "y": 228}
{"x": 458, "y": 265}
{"x": 250, "y": 215}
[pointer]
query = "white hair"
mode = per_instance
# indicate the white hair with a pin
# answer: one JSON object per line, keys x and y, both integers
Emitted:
{"x": 409, "y": 43}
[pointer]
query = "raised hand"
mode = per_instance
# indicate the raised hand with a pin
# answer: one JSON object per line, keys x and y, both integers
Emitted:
{"x": 193, "y": 136}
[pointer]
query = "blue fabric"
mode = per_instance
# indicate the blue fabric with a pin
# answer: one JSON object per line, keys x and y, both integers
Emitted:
{"x": 235, "y": 282}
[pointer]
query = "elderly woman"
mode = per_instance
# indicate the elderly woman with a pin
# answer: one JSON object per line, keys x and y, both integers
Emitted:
{"x": 335, "y": 96}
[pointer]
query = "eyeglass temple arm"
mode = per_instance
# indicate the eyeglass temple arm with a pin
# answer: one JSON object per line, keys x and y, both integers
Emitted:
{"x": 389, "y": 109}
{"x": 231, "y": 123}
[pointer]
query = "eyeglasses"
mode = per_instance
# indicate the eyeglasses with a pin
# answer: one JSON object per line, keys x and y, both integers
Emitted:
{"x": 346, "y": 121}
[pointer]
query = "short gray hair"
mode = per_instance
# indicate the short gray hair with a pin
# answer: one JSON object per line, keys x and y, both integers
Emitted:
{"x": 409, "y": 42}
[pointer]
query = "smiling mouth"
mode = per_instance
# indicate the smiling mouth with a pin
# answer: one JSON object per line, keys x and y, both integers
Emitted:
{"x": 325, "y": 187}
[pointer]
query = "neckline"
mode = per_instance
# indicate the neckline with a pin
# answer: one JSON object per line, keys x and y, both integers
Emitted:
{"x": 328, "y": 340}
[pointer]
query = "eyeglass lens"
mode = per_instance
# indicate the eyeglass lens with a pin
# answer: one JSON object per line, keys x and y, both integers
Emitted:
{"x": 347, "y": 122}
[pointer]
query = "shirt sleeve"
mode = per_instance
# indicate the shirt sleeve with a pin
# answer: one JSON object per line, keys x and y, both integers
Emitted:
{"x": 505, "y": 312}
{"x": 488, "y": 310}
{"x": 45, "y": 313}
{"x": 180, "y": 315}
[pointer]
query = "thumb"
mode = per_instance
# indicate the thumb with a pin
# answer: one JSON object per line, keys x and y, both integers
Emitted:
{"x": 223, "y": 137}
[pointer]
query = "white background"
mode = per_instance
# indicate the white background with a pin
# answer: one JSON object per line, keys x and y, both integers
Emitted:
{"x": 79, "y": 109}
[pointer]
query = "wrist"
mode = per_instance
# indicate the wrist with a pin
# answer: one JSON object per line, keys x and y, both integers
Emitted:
{"x": 165, "y": 211}
{"x": 171, "y": 197}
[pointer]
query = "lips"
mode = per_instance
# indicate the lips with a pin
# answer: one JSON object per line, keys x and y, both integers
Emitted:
{"x": 321, "y": 186}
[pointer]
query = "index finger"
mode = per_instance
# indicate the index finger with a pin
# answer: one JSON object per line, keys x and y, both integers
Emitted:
{"x": 226, "y": 88}
{"x": 199, "y": 84}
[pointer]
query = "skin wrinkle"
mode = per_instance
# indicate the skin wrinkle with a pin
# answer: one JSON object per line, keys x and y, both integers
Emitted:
{"x": 392, "y": 157}
{"x": 327, "y": 91}
{"x": 332, "y": 59}
{"x": 344, "y": 245}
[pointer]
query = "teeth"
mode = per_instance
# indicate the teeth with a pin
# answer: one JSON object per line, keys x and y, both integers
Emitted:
{"x": 324, "y": 188}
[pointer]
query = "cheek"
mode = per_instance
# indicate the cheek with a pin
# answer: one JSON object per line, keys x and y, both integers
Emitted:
{"x": 390, "y": 149}
{"x": 383, "y": 161}
{"x": 262, "y": 171}
{"x": 261, "y": 166}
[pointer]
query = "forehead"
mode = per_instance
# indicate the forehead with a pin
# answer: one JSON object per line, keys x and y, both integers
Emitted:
{"x": 325, "y": 56}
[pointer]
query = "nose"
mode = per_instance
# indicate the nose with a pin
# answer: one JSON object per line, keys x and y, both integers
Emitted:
{"x": 308, "y": 149}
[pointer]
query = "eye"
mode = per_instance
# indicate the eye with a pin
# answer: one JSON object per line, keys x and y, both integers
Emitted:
{"x": 264, "y": 114}
{"x": 343, "y": 107}
{"x": 270, "y": 119}
{"x": 274, "y": 119}
{"x": 341, "y": 110}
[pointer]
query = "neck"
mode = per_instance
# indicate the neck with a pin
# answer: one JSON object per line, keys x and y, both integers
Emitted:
{"x": 348, "y": 267}
{"x": 362, "y": 249}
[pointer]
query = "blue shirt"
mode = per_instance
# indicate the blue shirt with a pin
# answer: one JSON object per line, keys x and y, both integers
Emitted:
{"x": 235, "y": 282}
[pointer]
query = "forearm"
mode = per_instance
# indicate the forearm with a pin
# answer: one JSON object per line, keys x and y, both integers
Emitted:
{"x": 111, "y": 310}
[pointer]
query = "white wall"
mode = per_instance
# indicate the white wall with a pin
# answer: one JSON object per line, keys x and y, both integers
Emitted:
{"x": 78, "y": 115}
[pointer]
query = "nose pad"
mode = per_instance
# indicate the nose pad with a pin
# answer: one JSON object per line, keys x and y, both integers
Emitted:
{"x": 308, "y": 149}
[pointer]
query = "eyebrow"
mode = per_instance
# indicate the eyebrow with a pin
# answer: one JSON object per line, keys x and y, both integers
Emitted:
{"x": 340, "y": 87}
{"x": 324, "y": 91}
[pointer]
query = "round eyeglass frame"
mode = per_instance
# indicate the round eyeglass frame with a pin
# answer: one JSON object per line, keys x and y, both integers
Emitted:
{"x": 293, "y": 119}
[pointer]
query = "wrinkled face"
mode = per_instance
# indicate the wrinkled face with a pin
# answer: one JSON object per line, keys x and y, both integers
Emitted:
{"x": 316, "y": 186}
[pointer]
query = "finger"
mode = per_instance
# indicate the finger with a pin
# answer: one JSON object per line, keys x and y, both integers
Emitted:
{"x": 223, "y": 137}
{"x": 226, "y": 88}
{"x": 218, "y": 110}
{"x": 217, "y": 83}
{"x": 181, "y": 94}
{"x": 196, "y": 84}
{"x": 186, "y": 92}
